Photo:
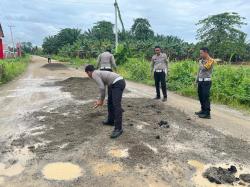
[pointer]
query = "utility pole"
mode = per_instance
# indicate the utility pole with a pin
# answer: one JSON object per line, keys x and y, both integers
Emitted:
{"x": 12, "y": 39}
{"x": 116, "y": 26}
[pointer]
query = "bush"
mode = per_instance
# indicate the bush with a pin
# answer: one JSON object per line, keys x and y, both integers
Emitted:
{"x": 182, "y": 76}
{"x": 136, "y": 69}
{"x": 231, "y": 84}
{"x": 10, "y": 68}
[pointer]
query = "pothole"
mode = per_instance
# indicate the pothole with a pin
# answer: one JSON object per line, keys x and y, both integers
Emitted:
{"x": 1, "y": 180}
{"x": 118, "y": 153}
{"x": 11, "y": 171}
{"x": 62, "y": 171}
{"x": 104, "y": 169}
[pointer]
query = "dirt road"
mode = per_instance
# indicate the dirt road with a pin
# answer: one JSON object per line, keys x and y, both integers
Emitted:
{"x": 51, "y": 135}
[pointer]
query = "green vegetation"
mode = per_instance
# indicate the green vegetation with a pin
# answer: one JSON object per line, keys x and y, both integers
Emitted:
{"x": 231, "y": 84}
{"x": 221, "y": 33}
{"x": 10, "y": 68}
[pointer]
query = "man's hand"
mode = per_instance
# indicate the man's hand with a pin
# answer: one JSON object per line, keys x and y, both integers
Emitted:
{"x": 98, "y": 103}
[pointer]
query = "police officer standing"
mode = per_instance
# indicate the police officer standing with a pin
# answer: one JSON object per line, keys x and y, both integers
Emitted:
{"x": 159, "y": 65}
{"x": 116, "y": 85}
{"x": 49, "y": 58}
{"x": 204, "y": 82}
{"x": 106, "y": 61}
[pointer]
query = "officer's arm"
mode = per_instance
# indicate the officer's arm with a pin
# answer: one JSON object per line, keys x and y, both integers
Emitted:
{"x": 152, "y": 65}
{"x": 101, "y": 86}
{"x": 198, "y": 72}
{"x": 98, "y": 62}
{"x": 208, "y": 64}
{"x": 113, "y": 62}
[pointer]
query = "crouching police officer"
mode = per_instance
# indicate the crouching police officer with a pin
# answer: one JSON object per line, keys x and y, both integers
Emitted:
{"x": 106, "y": 61}
{"x": 116, "y": 85}
{"x": 204, "y": 82}
{"x": 159, "y": 66}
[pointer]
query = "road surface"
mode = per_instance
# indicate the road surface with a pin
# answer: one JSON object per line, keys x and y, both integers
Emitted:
{"x": 51, "y": 136}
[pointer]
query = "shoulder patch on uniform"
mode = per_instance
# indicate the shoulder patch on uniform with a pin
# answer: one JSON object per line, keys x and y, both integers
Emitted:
{"x": 209, "y": 63}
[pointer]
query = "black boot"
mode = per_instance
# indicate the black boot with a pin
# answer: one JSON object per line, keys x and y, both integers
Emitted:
{"x": 164, "y": 99}
{"x": 116, "y": 134}
{"x": 108, "y": 123}
{"x": 157, "y": 98}
{"x": 205, "y": 116}
{"x": 198, "y": 113}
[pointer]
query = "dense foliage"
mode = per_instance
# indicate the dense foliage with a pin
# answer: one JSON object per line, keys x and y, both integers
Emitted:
{"x": 218, "y": 32}
{"x": 222, "y": 35}
{"x": 231, "y": 84}
{"x": 10, "y": 68}
{"x": 67, "y": 36}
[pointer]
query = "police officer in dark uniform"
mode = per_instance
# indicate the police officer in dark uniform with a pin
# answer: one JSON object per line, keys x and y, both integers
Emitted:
{"x": 49, "y": 58}
{"x": 116, "y": 85}
{"x": 159, "y": 65}
{"x": 204, "y": 82}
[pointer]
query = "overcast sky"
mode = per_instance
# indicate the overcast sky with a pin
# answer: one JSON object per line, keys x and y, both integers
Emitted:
{"x": 35, "y": 19}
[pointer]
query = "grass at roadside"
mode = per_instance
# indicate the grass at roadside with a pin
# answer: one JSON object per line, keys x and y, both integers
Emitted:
{"x": 231, "y": 84}
{"x": 10, "y": 68}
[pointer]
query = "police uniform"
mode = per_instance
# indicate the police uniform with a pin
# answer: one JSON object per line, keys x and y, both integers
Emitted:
{"x": 49, "y": 58}
{"x": 159, "y": 65}
{"x": 204, "y": 84}
{"x": 106, "y": 62}
{"x": 116, "y": 85}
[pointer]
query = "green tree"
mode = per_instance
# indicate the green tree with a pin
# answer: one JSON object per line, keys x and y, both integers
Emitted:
{"x": 52, "y": 44}
{"x": 27, "y": 47}
{"x": 141, "y": 29}
{"x": 222, "y": 35}
{"x": 103, "y": 30}
{"x": 67, "y": 36}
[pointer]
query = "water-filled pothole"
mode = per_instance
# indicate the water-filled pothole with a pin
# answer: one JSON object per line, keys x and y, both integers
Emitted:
{"x": 62, "y": 171}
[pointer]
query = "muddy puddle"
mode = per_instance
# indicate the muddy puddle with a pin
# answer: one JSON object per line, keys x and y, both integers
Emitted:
{"x": 103, "y": 168}
{"x": 118, "y": 153}
{"x": 62, "y": 171}
{"x": 147, "y": 153}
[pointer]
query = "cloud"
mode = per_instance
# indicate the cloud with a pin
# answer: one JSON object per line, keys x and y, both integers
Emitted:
{"x": 36, "y": 19}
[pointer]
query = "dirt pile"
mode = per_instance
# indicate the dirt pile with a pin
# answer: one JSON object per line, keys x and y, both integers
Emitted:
{"x": 221, "y": 175}
{"x": 72, "y": 132}
{"x": 55, "y": 66}
{"x": 164, "y": 124}
{"x": 80, "y": 88}
{"x": 245, "y": 177}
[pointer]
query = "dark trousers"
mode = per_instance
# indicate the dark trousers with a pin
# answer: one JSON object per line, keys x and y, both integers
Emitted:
{"x": 160, "y": 78}
{"x": 115, "y": 110}
{"x": 49, "y": 60}
{"x": 204, "y": 94}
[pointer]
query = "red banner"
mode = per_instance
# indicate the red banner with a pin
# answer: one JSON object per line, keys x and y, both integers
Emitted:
{"x": 1, "y": 49}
